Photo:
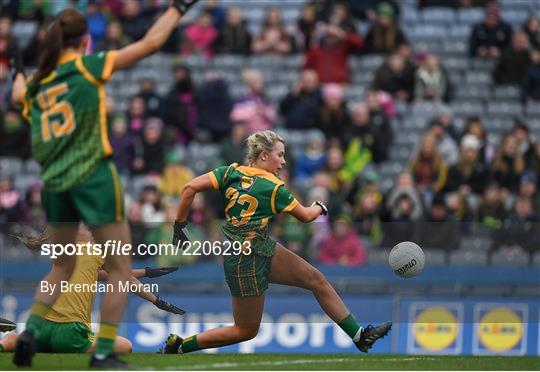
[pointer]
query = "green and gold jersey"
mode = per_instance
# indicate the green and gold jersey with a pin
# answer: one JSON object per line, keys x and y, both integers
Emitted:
{"x": 252, "y": 196}
{"x": 68, "y": 116}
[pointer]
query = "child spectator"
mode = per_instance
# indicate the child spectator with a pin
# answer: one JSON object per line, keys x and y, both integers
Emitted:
{"x": 200, "y": 36}
{"x": 273, "y": 38}
{"x": 508, "y": 164}
{"x": 343, "y": 246}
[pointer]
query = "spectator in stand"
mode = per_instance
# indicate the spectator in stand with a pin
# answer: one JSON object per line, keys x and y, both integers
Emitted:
{"x": 10, "y": 201}
{"x": 402, "y": 208}
{"x": 306, "y": 25}
{"x": 180, "y": 109}
{"x": 431, "y": 81}
{"x": 444, "y": 116}
{"x": 232, "y": 147}
{"x": 152, "y": 211}
{"x": 381, "y": 110}
{"x": 340, "y": 15}
{"x": 273, "y": 37}
{"x": 520, "y": 228}
{"x": 364, "y": 142}
{"x": 123, "y": 144}
{"x": 530, "y": 90}
{"x": 486, "y": 152}
{"x": 175, "y": 175}
{"x": 300, "y": 106}
{"x": 333, "y": 49}
{"x": 334, "y": 163}
{"x": 523, "y": 137}
{"x": 333, "y": 118}
{"x": 439, "y": 230}
{"x": 7, "y": 41}
{"x": 491, "y": 210}
{"x": 528, "y": 189}
{"x": 532, "y": 29}
{"x": 114, "y": 37}
{"x": 32, "y": 211}
{"x": 136, "y": 226}
{"x": 492, "y": 36}
{"x": 385, "y": 35}
{"x": 152, "y": 100}
{"x": 134, "y": 21}
{"x": 32, "y": 51}
{"x": 200, "y": 36}
{"x": 150, "y": 154}
{"x": 428, "y": 167}
{"x": 216, "y": 11}
{"x": 446, "y": 146}
{"x": 234, "y": 37}
{"x": 14, "y": 135}
{"x": 136, "y": 116}
{"x": 215, "y": 105}
{"x": 342, "y": 246}
{"x": 97, "y": 24}
{"x": 311, "y": 160}
{"x": 253, "y": 109}
{"x": 395, "y": 78}
{"x": 366, "y": 10}
{"x": 367, "y": 208}
{"x": 533, "y": 160}
{"x": 469, "y": 174}
{"x": 508, "y": 165}
{"x": 513, "y": 63}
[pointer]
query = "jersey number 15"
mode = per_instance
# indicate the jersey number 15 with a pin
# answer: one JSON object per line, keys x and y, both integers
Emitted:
{"x": 57, "y": 118}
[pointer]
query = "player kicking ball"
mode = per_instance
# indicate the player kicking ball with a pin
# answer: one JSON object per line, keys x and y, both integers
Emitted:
{"x": 65, "y": 103}
{"x": 66, "y": 328}
{"x": 253, "y": 194}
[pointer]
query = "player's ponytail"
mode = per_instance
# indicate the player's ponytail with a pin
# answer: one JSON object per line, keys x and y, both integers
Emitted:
{"x": 66, "y": 30}
{"x": 34, "y": 242}
{"x": 259, "y": 142}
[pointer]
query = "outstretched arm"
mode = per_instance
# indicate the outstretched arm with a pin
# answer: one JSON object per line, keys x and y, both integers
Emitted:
{"x": 308, "y": 214}
{"x": 188, "y": 193}
{"x": 155, "y": 37}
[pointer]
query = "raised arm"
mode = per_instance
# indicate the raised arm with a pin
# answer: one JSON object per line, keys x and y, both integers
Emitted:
{"x": 155, "y": 37}
{"x": 308, "y": 214}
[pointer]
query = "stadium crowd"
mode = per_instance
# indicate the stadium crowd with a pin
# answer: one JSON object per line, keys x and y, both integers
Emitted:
{"x": 456, "y": 182}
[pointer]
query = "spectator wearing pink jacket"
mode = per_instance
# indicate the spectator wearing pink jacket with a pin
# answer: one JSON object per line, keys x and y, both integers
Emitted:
{"x": 342, "y": 246}
{"x": 200, "y": 36}
{"x": 253, "y": 109}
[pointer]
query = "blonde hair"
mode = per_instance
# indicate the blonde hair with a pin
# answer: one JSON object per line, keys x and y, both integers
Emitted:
{"x": 259, "y": 142}
{"x": 34, "y": 242}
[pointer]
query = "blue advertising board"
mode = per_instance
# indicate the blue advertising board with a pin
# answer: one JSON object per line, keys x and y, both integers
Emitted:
{"x": 296, "y": 324}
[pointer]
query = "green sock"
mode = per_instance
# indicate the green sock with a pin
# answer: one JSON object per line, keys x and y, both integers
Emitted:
{"x": 190, "y": 344}
{"x": 105, "y": 340}
{"x": 37, "y": 315}
{"x": 351, "y": 327}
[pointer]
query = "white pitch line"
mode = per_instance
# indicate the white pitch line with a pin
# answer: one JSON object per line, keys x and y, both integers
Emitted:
{"x": 296, "y": 361}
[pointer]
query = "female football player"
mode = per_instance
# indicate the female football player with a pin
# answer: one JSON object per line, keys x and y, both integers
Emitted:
{"x": 66, "y": 328}
{"x": 65, "y": 104}
{"x": 253, "y": 194}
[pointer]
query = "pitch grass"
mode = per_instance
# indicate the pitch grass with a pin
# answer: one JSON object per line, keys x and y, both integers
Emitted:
{"x": 146, "y": 361}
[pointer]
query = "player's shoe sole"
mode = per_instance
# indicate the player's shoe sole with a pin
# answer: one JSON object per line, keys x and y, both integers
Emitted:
{"x": 111, "y": 361}
{"x": 25, "y": 348}
{"x": 7, "y": 325}
{"x": 172, "y": 344}
{"x": 370, "y": 334}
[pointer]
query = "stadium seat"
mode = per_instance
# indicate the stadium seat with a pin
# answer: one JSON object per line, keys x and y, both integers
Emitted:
{"x": 509, "y": 92}
{"x": 454, "y": 47}
{"x": 470, "y": 16}
{"x": 11, "y": 166}
{"x": 460, "y": 32}
{"x": 31, "y": 167}
{"x": 468, "y": 257}
{"x": 438, "y": 15}
{"x": 435, "y": 257}
{"x": 24, "y": 31}
{"x": 513, "y": 258}
{"x": 468, "y": 108}
{"x": 516, "y": 16}
{"x": 536, "y": 259}
{"x": 378, "y": 256}
{"x": 475, "y": 243}
{"x": 506, "y": 108}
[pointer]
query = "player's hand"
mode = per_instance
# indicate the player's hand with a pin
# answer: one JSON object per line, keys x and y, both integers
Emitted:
{"x": 324, "y": 210}
{"x": 180, "y": 233}
{"x": 15, "y": 60}
{"x": 160, "y": 271}
{"x": 166, "y": 306}
{"x": 182, "y": 5}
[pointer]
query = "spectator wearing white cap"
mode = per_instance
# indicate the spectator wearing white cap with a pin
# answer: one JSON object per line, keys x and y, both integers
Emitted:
{"x": 468, "y": 174}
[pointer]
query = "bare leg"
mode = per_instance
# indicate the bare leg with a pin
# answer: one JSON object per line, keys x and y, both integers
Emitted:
{"x": 290, "y": 269}
{"x": 118, "y": 267}
{"x": 8, "y": 341}
{"x": 247, "y": 313}
{"x": 62, "y": 266}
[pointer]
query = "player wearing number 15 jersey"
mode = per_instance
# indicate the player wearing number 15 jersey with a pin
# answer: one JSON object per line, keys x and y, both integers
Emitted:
{"x": 253, "y": 194}
{"x": 64, "y": 102}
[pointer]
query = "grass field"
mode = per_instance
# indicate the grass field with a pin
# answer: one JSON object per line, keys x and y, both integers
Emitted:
{"x": 145, "y": 361}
